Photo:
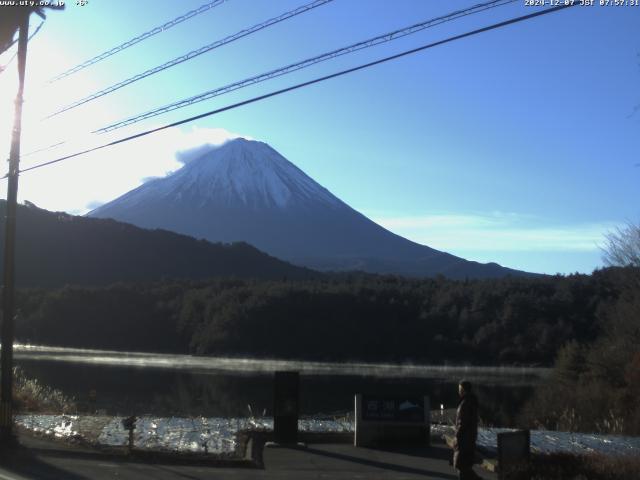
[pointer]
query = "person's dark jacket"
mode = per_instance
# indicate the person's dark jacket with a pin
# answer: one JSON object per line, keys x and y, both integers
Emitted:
{"x": 466, "y": 431}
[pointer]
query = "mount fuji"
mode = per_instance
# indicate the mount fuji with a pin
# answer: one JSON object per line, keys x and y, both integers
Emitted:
{"x": 246, "y": 191}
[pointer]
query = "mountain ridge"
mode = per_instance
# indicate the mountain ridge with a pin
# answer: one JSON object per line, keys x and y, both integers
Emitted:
{"x": 246, "y": 191}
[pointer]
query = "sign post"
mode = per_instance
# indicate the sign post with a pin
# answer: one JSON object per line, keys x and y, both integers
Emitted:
{"x": 391, "y": 419}
{"x": 129, "y": 424}
{"x": 286, "y": 407}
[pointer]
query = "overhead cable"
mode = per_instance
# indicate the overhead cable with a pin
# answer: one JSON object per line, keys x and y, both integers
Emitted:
{"x": 266, "y": 76}
{"x": 301, "y": 85}
{"x": 129, "y": 43}
{"x": 193, "y": 54}
{"x": 387, "y": 37}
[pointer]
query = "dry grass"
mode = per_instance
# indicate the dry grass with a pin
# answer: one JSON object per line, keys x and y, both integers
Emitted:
{"x": 29, "y": 395}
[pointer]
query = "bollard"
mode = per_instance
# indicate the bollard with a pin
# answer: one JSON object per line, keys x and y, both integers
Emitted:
{"x": 514, "y": 452}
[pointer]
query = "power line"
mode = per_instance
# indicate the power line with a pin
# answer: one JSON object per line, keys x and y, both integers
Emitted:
{"x": 193, "y": 54}
{"x": 129, "y": 43}
{"x": 35, "y": 32}
{"x": 301, "y": 85}
{"x": 364, "y": 44}
{"x": 387, "y": 37}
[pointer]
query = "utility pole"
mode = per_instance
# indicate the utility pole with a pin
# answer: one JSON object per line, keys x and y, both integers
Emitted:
{"x": 8, "y": 292}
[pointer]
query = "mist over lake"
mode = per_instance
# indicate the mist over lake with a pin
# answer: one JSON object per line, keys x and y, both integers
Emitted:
{"x": 185, "y": 385}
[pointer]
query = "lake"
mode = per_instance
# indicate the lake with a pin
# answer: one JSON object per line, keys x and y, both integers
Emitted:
{"x": 137, "y": 383}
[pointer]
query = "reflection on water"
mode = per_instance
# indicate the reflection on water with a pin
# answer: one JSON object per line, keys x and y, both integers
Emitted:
{"x": 183, "y": 385}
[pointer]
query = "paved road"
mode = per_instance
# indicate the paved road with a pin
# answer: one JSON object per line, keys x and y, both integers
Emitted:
{"x": 44, "y": 459}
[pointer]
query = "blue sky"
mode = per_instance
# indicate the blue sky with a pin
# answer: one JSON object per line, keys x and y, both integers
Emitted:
{"x": 516, "y": 146}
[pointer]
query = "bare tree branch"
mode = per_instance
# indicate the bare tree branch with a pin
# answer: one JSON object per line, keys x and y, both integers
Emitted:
{"x": 622, "y": 246}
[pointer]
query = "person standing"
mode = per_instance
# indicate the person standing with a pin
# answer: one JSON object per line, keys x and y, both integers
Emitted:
{"x": 464, "y": 446}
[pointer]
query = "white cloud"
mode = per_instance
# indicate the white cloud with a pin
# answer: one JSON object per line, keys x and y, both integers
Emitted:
{"x": 101, "y": 176}
{"x": 437, "y": 221}
{"x": 497, "y": 231}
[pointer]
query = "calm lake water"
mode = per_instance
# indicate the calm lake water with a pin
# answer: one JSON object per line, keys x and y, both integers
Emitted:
{"x": 183, "y": 385}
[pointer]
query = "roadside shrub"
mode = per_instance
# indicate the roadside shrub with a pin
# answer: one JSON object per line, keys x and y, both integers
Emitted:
{"x": 595, "y": 387}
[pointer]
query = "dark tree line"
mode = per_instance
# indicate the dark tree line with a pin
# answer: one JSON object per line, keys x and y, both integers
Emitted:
{"x": 346, "y": 317}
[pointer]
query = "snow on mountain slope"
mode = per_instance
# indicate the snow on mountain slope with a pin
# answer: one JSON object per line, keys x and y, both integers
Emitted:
{"x": 240, "y": 172}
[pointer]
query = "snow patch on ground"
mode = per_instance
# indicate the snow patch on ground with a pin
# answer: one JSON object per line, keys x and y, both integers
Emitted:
{"x": 219, "y": 434}
{"x": 547, "y": 441}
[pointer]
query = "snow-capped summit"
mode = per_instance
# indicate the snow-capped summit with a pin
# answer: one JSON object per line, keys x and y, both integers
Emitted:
{"x": 245, "y": 172}
{"x": 245, "y": 191}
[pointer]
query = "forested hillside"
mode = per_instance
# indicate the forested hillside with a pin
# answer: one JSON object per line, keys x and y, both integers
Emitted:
{"x": 363, "y": 317}
{"x": 55, "y": 249}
